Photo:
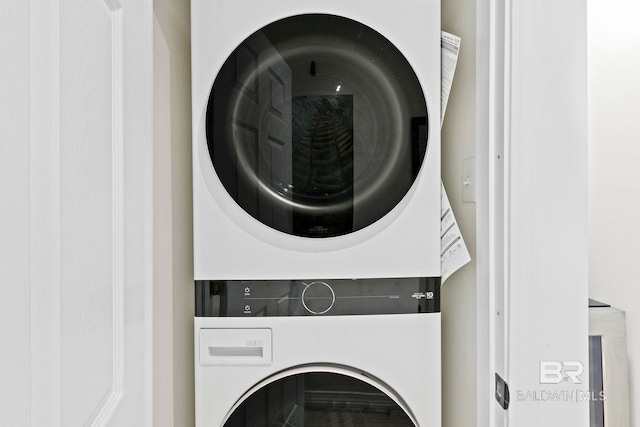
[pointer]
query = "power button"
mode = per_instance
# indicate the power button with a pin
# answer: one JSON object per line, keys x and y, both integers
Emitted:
{"x": 318, "y": 297}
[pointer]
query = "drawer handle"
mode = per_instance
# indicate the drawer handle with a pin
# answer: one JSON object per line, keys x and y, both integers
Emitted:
{"x": 235, "y": 351}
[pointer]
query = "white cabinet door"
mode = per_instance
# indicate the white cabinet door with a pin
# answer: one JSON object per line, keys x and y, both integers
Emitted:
{"x": 76, "y": 218}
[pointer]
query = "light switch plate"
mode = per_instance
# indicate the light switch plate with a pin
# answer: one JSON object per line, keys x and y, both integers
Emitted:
{"x": 469, "y": 180}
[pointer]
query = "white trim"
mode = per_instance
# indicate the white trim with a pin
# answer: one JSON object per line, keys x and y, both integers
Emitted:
{"x": 501, "y": 201}
{"x": 113, "y": 399}
{"x": 536, "y": 114}
{"x": 545, "y": 205}
{"x": 492, "y": 95}
{"x": 483, "y": 22}
{"x": 148, "y": 241}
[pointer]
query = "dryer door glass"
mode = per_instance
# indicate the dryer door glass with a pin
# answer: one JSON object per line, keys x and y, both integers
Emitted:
{"x": 318, "y": 399}
{"x": 317, "y": 125}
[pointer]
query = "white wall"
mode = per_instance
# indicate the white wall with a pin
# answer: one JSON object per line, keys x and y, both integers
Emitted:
{"x": 614, "y": 172}
{"x": 459, "y": 321}
{"x": 173, "y": 234}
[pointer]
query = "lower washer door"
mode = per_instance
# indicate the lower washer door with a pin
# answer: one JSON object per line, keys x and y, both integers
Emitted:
{"x": 320, "y": 395}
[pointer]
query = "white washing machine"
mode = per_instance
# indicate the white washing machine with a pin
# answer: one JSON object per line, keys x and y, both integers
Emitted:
{"x": 261, "y": 362}
{"x": 316, "y": 139}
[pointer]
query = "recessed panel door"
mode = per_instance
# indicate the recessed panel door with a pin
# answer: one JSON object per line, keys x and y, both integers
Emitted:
{"x": 252, "y": 118}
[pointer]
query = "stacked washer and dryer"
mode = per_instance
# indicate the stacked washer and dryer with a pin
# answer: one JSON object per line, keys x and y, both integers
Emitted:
{"x": 316, "y": 159}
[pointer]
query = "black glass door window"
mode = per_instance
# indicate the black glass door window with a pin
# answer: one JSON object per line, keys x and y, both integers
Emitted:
{"x": 311, "y": 125}
{"x": 318, "y": 399}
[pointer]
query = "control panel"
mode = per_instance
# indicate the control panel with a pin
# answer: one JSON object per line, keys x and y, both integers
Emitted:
{"x": 246, "y": 298}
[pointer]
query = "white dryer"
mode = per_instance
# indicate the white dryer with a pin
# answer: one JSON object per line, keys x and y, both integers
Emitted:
{"x": 261, "y": 362}
{"x": 316, "y": 139}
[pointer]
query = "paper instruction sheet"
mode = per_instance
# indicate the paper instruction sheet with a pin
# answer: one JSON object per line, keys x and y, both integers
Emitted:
{"x": 453, "y": 251}
{"x": 450, "y": 48}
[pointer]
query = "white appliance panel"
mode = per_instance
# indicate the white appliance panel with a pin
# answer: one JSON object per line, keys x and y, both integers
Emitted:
{"x": 231, "y": 244}
{"x": 400, "y": 353}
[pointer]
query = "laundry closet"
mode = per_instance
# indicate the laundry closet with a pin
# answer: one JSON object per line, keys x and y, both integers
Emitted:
{"x": 316, "y": 172}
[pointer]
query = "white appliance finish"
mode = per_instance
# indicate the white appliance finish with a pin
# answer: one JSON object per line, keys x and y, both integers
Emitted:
{"x": 401, "y": 353}
{"x": 229, "y": 243}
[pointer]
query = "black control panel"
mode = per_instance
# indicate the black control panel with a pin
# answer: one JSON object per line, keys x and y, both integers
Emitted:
{"x": 317, "y": 297}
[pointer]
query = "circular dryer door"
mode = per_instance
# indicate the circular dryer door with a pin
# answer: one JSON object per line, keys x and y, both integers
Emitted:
{"x": 317, "y": 125}
{"x": 319, "y": 396}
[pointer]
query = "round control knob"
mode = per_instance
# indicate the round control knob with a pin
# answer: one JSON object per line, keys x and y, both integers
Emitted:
{"x": 318, "y": 297}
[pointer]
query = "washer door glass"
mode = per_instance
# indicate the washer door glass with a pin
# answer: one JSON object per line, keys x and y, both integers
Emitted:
{"x": 317, "y": 125}
{"x": 315, "y": 399}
